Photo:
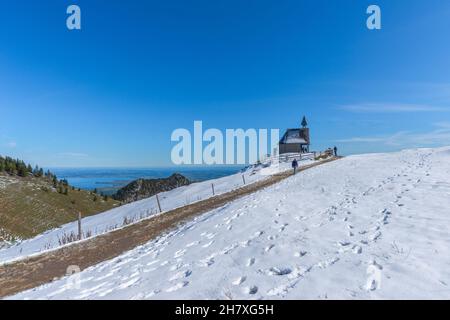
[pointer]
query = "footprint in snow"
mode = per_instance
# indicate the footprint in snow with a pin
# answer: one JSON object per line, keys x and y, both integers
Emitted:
{"x": 375, "y": 264}
{"x": 180, "y": 275}
{"x": 179, "y": 253}
{"x": 129, "y": 283}
{"x": 384, "y": 220}
{"x": 250, "y": 262}
{"x": 258, "y": 234}
{"x": 178, "y": 266}
{"x": 327, "y": 263}
{"x": 228, "y": 249}
{"x": 206, "y": 262}
{"x": 102, "y": 293}
{"x": 208, "y": 244}
{"x": 210, "y": 235}
{"x": 251, "y": 290}
{"x": 245, "y": 243}
{"x": 375, "y": 236}
{"x": 151, "y": 294}
{"x": 357, "y": 249}
{"x": 192, "y": 244}
{"x": 281, "y": 290}
{"x": 300, "y": 254}
{"x": 239, "y": 281}
{"x": 104, "y": 276}
{"x": 343, "y": 243}
{"x": 275, "y": 271}
{"x": 177, "y": 286}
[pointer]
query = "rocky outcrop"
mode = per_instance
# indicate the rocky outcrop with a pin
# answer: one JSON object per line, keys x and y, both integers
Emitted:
{"x": 145, "y": 188}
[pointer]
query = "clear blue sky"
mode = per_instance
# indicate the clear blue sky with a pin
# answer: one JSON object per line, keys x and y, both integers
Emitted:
{"x": 112, "y": 93}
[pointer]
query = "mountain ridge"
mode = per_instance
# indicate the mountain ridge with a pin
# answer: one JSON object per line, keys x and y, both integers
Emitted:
{"x": 144, "y": 188}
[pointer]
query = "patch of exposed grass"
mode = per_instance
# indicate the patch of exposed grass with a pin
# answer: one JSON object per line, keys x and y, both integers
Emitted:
{"x": 29, "y": 206}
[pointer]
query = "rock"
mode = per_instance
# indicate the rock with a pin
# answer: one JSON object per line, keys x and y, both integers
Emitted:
{"x": 145, "y": 188}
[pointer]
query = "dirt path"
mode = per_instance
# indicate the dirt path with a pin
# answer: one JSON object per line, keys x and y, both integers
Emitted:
{"x": 32, "y": 272}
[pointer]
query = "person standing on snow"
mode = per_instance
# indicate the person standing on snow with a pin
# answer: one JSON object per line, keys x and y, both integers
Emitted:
{"x": 335, "y": 151}
{"x": 295, "y": 165}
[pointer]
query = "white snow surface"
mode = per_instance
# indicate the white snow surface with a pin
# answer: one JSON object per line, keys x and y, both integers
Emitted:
{"x": 139, "y": 210}
{"x": 365, "y": 227}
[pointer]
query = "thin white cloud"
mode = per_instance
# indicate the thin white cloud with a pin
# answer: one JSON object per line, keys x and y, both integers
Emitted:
{"x": 391, "y": 108}
{"x": 443, "y": 125}
{"x": 439, "y": 136}
{"x": 73, "y": 155}
{"x": 361, "y": 139}
{"x": 11, "y": 144}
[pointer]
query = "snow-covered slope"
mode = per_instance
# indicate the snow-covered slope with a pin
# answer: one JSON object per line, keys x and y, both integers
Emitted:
{"x": 133, "y": 212}
{"x": 367, "y": 226}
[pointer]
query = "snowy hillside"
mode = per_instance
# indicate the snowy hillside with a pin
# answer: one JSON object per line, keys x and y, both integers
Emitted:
{"x": 367, "y": 226}
{"x": 136, "y": 211}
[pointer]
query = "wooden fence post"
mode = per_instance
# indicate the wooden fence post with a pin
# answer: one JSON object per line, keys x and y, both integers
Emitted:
{"x": 212, "y": 186}
{"x": 80, "y": 235}
{"x": 159, "y": 204}
{"x": 243, "y": 179}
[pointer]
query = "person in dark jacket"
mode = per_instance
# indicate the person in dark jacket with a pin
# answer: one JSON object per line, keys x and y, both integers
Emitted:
{"x": 295, "y": 165}
{"x": 335, "y": 151}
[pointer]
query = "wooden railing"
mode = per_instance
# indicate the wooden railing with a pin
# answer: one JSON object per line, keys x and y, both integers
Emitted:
{"x": 286, "y": 157}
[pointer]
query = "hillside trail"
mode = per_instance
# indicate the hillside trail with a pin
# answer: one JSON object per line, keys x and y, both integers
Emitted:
{"x": 43, "y": 268}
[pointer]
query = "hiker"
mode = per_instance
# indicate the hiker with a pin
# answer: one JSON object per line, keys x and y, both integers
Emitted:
{"x": 295, "y": 165}
{"x": 335, "y": 151}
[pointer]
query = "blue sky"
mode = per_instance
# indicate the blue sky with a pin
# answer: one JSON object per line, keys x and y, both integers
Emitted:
{"x": 112, "y": 93}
